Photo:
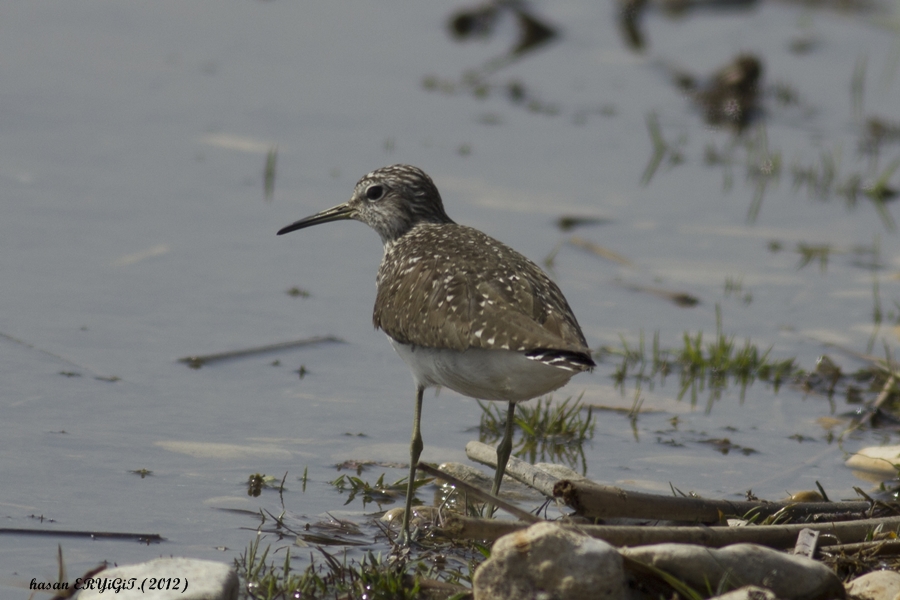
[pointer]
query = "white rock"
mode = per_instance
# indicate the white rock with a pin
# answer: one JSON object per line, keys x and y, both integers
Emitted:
{"x": 164, "y": 579}
{"x": 789, "y": 577}
{"x": 550, "y": 561}
{"x": 881, "y": 460}
{"x": 877, "y": 585}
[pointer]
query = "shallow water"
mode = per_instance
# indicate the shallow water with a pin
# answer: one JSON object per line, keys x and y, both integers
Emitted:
{"x": 135, "y": 231}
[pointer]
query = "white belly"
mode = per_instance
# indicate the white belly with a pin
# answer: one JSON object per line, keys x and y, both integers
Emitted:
{"x": 482, "y": 374}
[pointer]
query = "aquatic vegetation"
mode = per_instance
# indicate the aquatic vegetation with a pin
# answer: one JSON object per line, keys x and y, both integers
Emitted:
{"x": 371, "y": 577}
{"x": 379, "y": 493}
{"x": 549, "y": 431}
{"x": 699, "y": 365}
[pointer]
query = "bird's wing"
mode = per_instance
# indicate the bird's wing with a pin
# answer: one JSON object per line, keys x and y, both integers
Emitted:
{"x": 470, "y": 291}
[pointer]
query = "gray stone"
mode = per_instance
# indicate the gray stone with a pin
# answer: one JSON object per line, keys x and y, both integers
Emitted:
{"x": 748, "y": 592}
{"x": 548, "y": 560}
{"x": 877, "y": 585}
{"x": 789, "y": 577}
{"x": 195, "y": 580}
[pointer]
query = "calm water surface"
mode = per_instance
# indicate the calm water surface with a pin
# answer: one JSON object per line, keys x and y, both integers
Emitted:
{"x": 135, "y": 231}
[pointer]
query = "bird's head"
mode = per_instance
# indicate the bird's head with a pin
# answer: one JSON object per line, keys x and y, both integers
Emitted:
{"x": 391, "y": 200}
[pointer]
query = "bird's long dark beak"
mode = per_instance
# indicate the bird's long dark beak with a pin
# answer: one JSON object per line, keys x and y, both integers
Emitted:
{"x": 340, "y": 212}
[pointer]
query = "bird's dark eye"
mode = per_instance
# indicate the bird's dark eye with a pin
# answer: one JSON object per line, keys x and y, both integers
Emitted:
{"x": 374, "y": 192}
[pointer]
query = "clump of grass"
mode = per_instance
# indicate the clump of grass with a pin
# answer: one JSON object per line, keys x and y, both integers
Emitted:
{"x": 763, "y": 166}
{"x": 701, "y": 365}
{"x": 379, "y": 493}
{"x": 814, "y": 252}
{"x": 735, "y": 287}
{"x": 661, "y": 149}
{"x": 372, "y": 577}
{"x": 266, "y": 581}
{"x": 822, "y": 180}
{"x": 822, "y": 177}
{"x": 554, "y": 431}
{"x": 874, "y": 386}
{"x": 862, "y": 255}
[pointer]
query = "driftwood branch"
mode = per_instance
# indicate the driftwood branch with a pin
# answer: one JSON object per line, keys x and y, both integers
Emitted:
{"x": 479, "y": 494}
{"x": 197, "y": 361}
{"x": 873, "y": 548}
{"x": 604, "y": 502}
{"x": 516, "y": 468}
{"x": 773, "y": 536}
{"x": 144, "y": 538}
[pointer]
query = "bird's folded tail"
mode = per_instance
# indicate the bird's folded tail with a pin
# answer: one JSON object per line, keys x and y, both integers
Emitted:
{"x": 563, "y": 359}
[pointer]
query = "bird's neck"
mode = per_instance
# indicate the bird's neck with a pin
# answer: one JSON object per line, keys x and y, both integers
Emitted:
{"x": 390, "y": 238}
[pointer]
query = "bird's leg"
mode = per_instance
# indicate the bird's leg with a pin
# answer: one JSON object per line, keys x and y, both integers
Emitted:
{"x": 415, "y": 449}
{"x": 503, "y": 452}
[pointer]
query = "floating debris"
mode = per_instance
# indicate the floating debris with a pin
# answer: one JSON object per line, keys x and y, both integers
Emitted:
{"x": 630, "y": 12}
{"x": 195, "y": 362}
{"x": 682, "y": 299}
{"x": 297, "y": 292}
{"x": 569, "y": 222}
{"x": 257, "y": 482}
{"x": 731, "y": 95}
{"x": 144, "y": 538}
{"x": 725, "y": 446}
{"x": 599, "y": 250}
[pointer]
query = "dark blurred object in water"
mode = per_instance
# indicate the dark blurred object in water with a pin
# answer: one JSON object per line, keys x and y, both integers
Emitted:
{"x": 532, "y": 32}
{"x": 731, "y": 96}
{"x": 630, "y": 12}
{"x": 680, "y": 7}
{"x": 878, "y": 131}
{"x": 570, "y": 222}
{"x": 480, "y": 21}
{"x": 483, "y": 21}
{"x": 473, "y": 22}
